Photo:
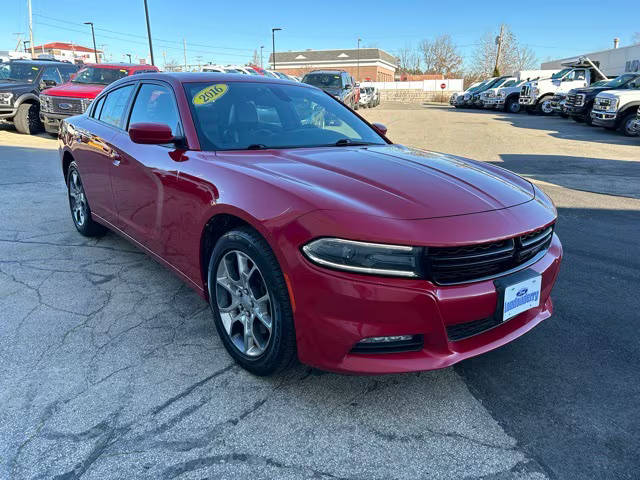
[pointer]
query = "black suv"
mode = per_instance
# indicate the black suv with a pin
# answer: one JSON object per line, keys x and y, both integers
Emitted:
{"x": 580, "y": 100}
{"x": 19, "y": 90}
{"x": 337, "y": 83}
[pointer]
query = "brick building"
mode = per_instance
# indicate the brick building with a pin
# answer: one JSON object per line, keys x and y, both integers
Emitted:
{"x": 364, "y": 64}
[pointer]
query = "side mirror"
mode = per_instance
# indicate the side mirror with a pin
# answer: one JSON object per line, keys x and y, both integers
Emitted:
{"x": 151, "y": 133}
{"x": 47, "y": 84}
{"x": 347, "y": 86}
{"x": 380, "y": 128}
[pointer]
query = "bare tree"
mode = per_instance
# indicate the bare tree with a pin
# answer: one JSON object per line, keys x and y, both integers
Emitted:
{"x": 172, "y": 66}
{"x": 408, "y": 59}
{"x": 513, "y": 57}
{"x": 440, "y": 56}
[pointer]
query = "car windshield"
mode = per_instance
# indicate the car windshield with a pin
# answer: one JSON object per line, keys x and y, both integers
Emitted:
{"x": 23, "y": 72}
{"x": 621, "y": 80}
{"x": 232, "y": 70}
{"x": 100, "y": 76}
{"x": 561, "y": 73}
{"x": 509, "y": 83}
{"x": 248, "y": 115}
{"x": 323, "y": 80}
{"x": 498, "y": 83}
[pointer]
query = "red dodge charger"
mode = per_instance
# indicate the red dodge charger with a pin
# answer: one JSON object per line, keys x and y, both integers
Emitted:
{"x": 306, "y": 229}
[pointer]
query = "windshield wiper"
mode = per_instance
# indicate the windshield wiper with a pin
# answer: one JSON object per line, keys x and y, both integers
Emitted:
{"x": 347, "y": 142}
{"x": 256, "y": 146}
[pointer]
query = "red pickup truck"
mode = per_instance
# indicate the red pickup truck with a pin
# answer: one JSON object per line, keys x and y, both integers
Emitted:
{"x": 73, "y": 98}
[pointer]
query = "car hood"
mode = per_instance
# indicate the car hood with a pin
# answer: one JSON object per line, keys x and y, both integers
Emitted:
{"x": 390, "y": 181}
{"x": 336, "y": 92}
{"x": 75, "y": 90}
{"x": 12, "y": 86}
{"x": 621, "y": 94}
{"x": 589, "y": 90}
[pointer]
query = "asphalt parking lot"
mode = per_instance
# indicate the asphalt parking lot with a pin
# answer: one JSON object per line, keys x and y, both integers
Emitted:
{"x": 110, "y": 367}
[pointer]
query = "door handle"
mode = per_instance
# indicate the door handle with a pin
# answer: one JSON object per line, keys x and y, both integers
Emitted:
{"x": 115, "y": 158}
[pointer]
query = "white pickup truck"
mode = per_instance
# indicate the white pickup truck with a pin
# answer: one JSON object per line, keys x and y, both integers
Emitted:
{"x": 617, "y": 109}
{"x": 536, "y": 95}
{"x": 507, "y": 96}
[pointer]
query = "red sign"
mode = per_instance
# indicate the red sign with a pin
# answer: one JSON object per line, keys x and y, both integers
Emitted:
{"x": 443, "y": 86}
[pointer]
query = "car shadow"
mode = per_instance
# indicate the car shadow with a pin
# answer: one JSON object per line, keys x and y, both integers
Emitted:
{"x": 558, "y": 127}
{"x": 598, "y": 175}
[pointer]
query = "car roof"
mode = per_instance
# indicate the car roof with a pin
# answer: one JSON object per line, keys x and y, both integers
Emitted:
{"x": 201, "y": 77}
{"x": 326, "y": 71}
{"x": 40, "y": 61}
{"x": 128, "y": 66}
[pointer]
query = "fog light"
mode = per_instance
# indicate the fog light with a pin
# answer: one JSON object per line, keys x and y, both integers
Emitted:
{"x": 396, "y": 338}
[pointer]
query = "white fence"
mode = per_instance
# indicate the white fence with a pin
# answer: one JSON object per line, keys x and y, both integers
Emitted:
{"x": 451, "y": 85}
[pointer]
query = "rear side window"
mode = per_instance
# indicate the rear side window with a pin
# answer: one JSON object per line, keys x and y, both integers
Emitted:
{"x": 156, "y": 104}
{"x": 51, "y": 74}
{"x": 114, "y": 106}
{"x": 96, "y": 110}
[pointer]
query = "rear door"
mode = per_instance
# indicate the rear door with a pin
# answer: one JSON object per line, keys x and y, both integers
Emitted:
{"x": 145, "y": 179}
{"x": 104, "y": 121}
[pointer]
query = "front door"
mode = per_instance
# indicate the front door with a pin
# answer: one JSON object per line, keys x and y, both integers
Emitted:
{"x": 145, "y": 178}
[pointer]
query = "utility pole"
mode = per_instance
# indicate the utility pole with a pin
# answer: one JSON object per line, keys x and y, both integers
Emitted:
{"x": 146, "y": 12}
{"x": 358, "y": 70}
{"x": 128, "y": 55}
{"x": 33, "y": 53}
{"x": 273, "y": 44}
{"x": 95, "y": 50}
{"x": 261, "y": 64}
{"x": 184, "y": 46}
{"x": 499, "y": 42}
{"x": 104, "y": 51}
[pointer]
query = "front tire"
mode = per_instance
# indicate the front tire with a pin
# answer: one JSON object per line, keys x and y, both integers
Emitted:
{"x": 80, "y": 211}
{"x": 250, "y": 303}
{"x": 544, "y": 107}
{"x": 512, "y": 106}
{"x": 627, "y": 123}
{"x": 27, "y": 119}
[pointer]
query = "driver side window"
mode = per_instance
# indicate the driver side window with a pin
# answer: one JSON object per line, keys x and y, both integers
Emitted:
{"x": 156, "y": 104}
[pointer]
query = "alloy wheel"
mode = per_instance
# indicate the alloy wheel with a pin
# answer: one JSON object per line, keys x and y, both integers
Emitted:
{"x": 546, "y": 107}
{"x": 244, "y": 303}
{"x": 79, "y": 207}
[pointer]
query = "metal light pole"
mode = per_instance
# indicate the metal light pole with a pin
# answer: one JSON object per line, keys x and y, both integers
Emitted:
{"x": 261, "y": 64}
{"x": 358, "y": 69}
{"x": 93, "y": 34}
{"x": 146, "y": 12}
{"x": 33, "y": 53}
{"x": 273, "y": 42}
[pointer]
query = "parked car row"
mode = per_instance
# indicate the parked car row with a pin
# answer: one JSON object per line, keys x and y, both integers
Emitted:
{"x": 580, "y": 91}
{"x": 38, "y": 94}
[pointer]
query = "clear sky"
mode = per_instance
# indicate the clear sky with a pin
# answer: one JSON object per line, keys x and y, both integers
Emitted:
{"x": 229, "y": 31}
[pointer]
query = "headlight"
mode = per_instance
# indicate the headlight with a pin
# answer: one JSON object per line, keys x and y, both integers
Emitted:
{"x": 502, "y": 94}
{"x": 364, "y": 257}
{"x": 84, "y": 103}
{"x": 467, "y": 96}
{"x": 536, "y": 90}
{"x": 613, "y": 106}
{"x": 44, "y": 103}
{"x": 5, "y": 98}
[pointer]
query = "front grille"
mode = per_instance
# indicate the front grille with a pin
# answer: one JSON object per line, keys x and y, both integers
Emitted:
{"x": 461, "y": 331}
{"x": 571, "y": 100}
{"x": 72, "y": 106}
{"x": 413, "y": 345}
{"x": 525, "y": 90}
{"x": 470, "y": 263}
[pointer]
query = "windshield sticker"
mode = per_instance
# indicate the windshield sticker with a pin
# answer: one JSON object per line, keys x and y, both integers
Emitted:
{"x": 34, "y": 68}
{"x": 123, "y": 71}
{"x": 210, "y": 94}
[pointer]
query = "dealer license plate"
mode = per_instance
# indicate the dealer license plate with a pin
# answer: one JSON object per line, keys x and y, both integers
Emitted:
{"x": 521, "y": 296}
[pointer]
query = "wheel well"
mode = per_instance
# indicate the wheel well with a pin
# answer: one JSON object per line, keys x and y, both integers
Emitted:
{"x": 66, "y": 161}
{"x": 630, "y": 109}
{"x": 217, "y": 226}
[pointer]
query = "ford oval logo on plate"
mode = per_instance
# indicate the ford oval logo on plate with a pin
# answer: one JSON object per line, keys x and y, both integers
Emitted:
{"x": 521, "y": 292}
{"x": 65, "y": 106}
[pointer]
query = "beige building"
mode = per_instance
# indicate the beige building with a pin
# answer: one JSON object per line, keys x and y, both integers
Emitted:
{"x": 364, "y": 64}
{"x": 68, "y": 51}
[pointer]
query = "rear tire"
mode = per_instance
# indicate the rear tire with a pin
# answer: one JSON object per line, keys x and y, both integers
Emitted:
{"x": 577, "y": 119}
{"x": 236, "y": 294}
{"x": 79, "y": 205}
{"x": 27, "y": 119}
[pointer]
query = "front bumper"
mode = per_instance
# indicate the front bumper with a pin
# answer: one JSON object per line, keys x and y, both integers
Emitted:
{"x": 341, "y": 309}
{"x": 51, "y": 121}
{"x": 604, "y": 119}
{"x": 527, "y": 100}
{"x": 7, "y": 112}
{"x": 580, "y": 111}
{"x": 490, "y": 102}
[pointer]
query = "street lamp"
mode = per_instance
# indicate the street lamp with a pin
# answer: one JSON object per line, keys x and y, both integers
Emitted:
{"x": 146, "y": 12}
{"x": 93, "y": 34}
{"x": 358, "y": 68}
{"x": 273, "y": 42}
{"x": 128, "y": 55}
{"x": 261, "y": 64}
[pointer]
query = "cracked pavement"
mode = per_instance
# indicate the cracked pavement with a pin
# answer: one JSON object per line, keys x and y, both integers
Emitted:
{"x": 110, "y": 367}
